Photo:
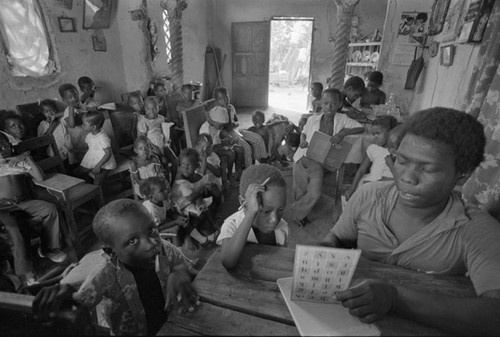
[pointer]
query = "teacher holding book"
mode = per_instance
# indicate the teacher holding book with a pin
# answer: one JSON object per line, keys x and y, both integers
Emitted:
{"x": 307, "y": 173}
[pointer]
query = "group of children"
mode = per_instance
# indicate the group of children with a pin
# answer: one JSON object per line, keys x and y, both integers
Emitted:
{"x": 181, "y": 198}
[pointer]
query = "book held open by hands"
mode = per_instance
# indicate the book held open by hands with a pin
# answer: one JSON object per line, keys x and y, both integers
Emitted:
{"x": 331, "y": 156}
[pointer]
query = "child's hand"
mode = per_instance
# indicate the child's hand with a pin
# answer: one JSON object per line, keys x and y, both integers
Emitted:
{"x": 303, "y": 144}
{"x": 96, "y": 170}
{"x": 337, "y": 138}
{"x": 251, "y": 197}
{"x": 182, "y": 221}
{"x": 50, "y": 300}
{"x": 180, "y": 289}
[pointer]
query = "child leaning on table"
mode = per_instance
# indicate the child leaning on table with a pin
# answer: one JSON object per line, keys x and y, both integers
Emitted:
{"x": 259, "y": 219}
{"x": 375, "y": 155}
{"x": 141, "y": 280}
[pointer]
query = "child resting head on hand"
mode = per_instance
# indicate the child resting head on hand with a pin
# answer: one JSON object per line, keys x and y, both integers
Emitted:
{"x": 259, "y": 219}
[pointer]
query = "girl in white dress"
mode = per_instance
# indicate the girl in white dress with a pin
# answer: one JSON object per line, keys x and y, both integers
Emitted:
{"x": 52, "y": 125}
{"x": 99, "y": 158}
{"x": 144, "y": 164}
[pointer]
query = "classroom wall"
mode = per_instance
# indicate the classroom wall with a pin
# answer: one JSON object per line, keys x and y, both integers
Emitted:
{"x": 395, "y": 75}
{"x": 371, "y": 15}
{"x": 77, "y": 58}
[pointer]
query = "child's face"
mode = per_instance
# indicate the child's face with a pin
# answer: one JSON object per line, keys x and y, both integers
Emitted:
{"x": 222, "y": 100}
{"x": 187, "y": 166}
{"x": 135, "y": 239}
{"x": 273, "y": 207}
{"x": 315, "y": 91}
{"x": 151, "y": 110}
{"x": 258, "y": 120}
{"x": 87, "y": 125}
{"x": 371, "y": 86}
{"x": 142, "y": 149}
{"x": 424, "y": 172}
{"x": 204, "y": 146}
{"x": 159, "y": 192}
{"x": 5, "y": 149}
{"x": 380, "y": 133}
{"x": 161, "y": 92}
{"x": 187, "y": 93}
{"x": 352, "y": 94}
{"x": 330, "y": 103}
{"x": 86, "y": 87}
{"x": 70, "y": 97}
{"x": 15, "y": 127}
{"x": 49, "y": 113}
{"x": 136, "y": 103}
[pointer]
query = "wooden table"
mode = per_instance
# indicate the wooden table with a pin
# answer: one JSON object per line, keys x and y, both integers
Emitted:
{"x": 247, "y": 301}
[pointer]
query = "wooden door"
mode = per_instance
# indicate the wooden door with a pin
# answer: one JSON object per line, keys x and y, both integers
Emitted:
{"x": 250, "y": 54}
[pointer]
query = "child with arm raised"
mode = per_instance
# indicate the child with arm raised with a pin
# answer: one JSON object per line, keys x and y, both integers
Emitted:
{"x": 375, "y": 155}
{"x": 141, "y": 278}
{"x": 99, "y": 158}
{"x": 259, "y": 219}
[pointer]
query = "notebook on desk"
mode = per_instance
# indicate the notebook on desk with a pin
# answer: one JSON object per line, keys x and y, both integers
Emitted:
{"x": 320, "y": 149}
{"x": 59, "y": 182}
{"x": 323, "y": 319}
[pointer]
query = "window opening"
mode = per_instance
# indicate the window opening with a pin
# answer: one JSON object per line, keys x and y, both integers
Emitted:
{"x": 166, "y": 29}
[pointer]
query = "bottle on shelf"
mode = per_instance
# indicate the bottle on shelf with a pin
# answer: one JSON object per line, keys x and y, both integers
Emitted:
{"x": 392, "y": 108}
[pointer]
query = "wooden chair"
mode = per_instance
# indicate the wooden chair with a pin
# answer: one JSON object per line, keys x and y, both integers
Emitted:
{"x": 125, "y": 95}
{"x": 70, "y": 192}
{"x": 193, "y": 119}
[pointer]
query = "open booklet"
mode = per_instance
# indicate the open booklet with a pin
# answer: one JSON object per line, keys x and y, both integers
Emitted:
{"x": 319, "y": 273}
{"x": 330, "y": 156}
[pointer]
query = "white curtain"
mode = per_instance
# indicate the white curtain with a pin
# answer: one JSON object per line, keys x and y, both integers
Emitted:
{"x": 25, "y": 39}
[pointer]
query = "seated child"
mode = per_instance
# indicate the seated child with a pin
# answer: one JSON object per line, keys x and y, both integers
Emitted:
{"x": 316, "y": 91}
{"x": 373, "y": 95}
{"x": 286, "y": 151}
{"x": 99, "y": 158}
{"x": 160, "y": 92}
{"x": 253, "y": 145}
{"x": 375, "y": 155}
{"x": 136, "y": 102}
{"x": 267, "y": 132}
{"x": 13, "y": 128}
{"x": 88, "y": 89}
{"x": 150, "y": 126}
{"x": 187, "y": 100}
{"x": 156, "y": 191}
{"x": 259, "y": 218}
{"x": 418, "y": 222}
{"x": 141, "y": 280}
{"x": 352, "y": 90}
{"x": 16, "y": 194}
{"x": 210, "y": 165}
{"x": 144, "y": 164}
{"x": 72, "y": 121}
{"x": 52, "y": 125}
{"x": 190, "y": 197}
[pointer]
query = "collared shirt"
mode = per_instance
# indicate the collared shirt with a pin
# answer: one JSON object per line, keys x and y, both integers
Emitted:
{"x": 116, "y": 284}
{"x": 340, "y": 121}
{"x": 234, "y": 221}
{"x": 462, "y": 239}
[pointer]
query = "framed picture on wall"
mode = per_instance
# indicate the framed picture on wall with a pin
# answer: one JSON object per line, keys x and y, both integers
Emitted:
{"x": 452, "y": 23}
{"x": 447, "y": 53}
{"x": 96, "y": 14}
{"x": 66, "y": 25}
{"x": 476, "y": 19}
{"x": 438, "y": 15}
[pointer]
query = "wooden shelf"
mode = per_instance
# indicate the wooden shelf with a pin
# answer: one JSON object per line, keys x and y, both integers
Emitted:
{"x": 362, "y": 64}
{"x": 364, "y": 44}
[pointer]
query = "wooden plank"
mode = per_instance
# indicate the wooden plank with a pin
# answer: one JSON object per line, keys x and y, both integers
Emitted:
{"x": 216, "y": 321}
{"x": 171, "y": 329}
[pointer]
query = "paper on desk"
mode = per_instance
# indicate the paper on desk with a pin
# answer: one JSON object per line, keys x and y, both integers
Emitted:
{"x": 108, "y": 106}
{"x": 323, "y": 319}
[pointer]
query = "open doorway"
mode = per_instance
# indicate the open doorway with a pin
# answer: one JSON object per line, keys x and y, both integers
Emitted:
{"x": 289, "y": 64}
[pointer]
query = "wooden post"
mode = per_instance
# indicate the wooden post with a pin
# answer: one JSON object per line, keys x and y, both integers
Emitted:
{"x": 174, "y": 9}
{"x": 345, "y": 9}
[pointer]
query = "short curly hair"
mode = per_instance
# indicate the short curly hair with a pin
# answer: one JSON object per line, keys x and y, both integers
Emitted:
{"x": 95, "y": 117}
{"x": 457, "y": 129}
{"x": 50, "y": 103}
{"x": 257, "y": 174}
{"x": 107, "y": 214}
{"x": 66, "y": 87}
{"x": 190, "y": 153}
{"x": 387, "y": 121}
{"x": 146, "y": 187}
{"x": 356, "y": 83}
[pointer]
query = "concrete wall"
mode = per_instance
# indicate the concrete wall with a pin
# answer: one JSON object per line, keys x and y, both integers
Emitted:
{"x": 395, "y": 75}
{"x": 371, "y": 15}
{"x": 77, "y": 58}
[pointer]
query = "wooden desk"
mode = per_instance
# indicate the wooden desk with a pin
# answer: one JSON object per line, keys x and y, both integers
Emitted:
{"x": 247, "y": 301}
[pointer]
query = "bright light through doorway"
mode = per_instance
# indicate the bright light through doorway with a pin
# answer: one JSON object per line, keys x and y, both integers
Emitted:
{"x": 289, "y": 68}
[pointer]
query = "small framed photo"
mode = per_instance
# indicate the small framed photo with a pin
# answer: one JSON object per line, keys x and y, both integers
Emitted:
{"x": 66, "y": 25}
{"x": 447, "y": 53}
{"x": 99, "y": 43}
